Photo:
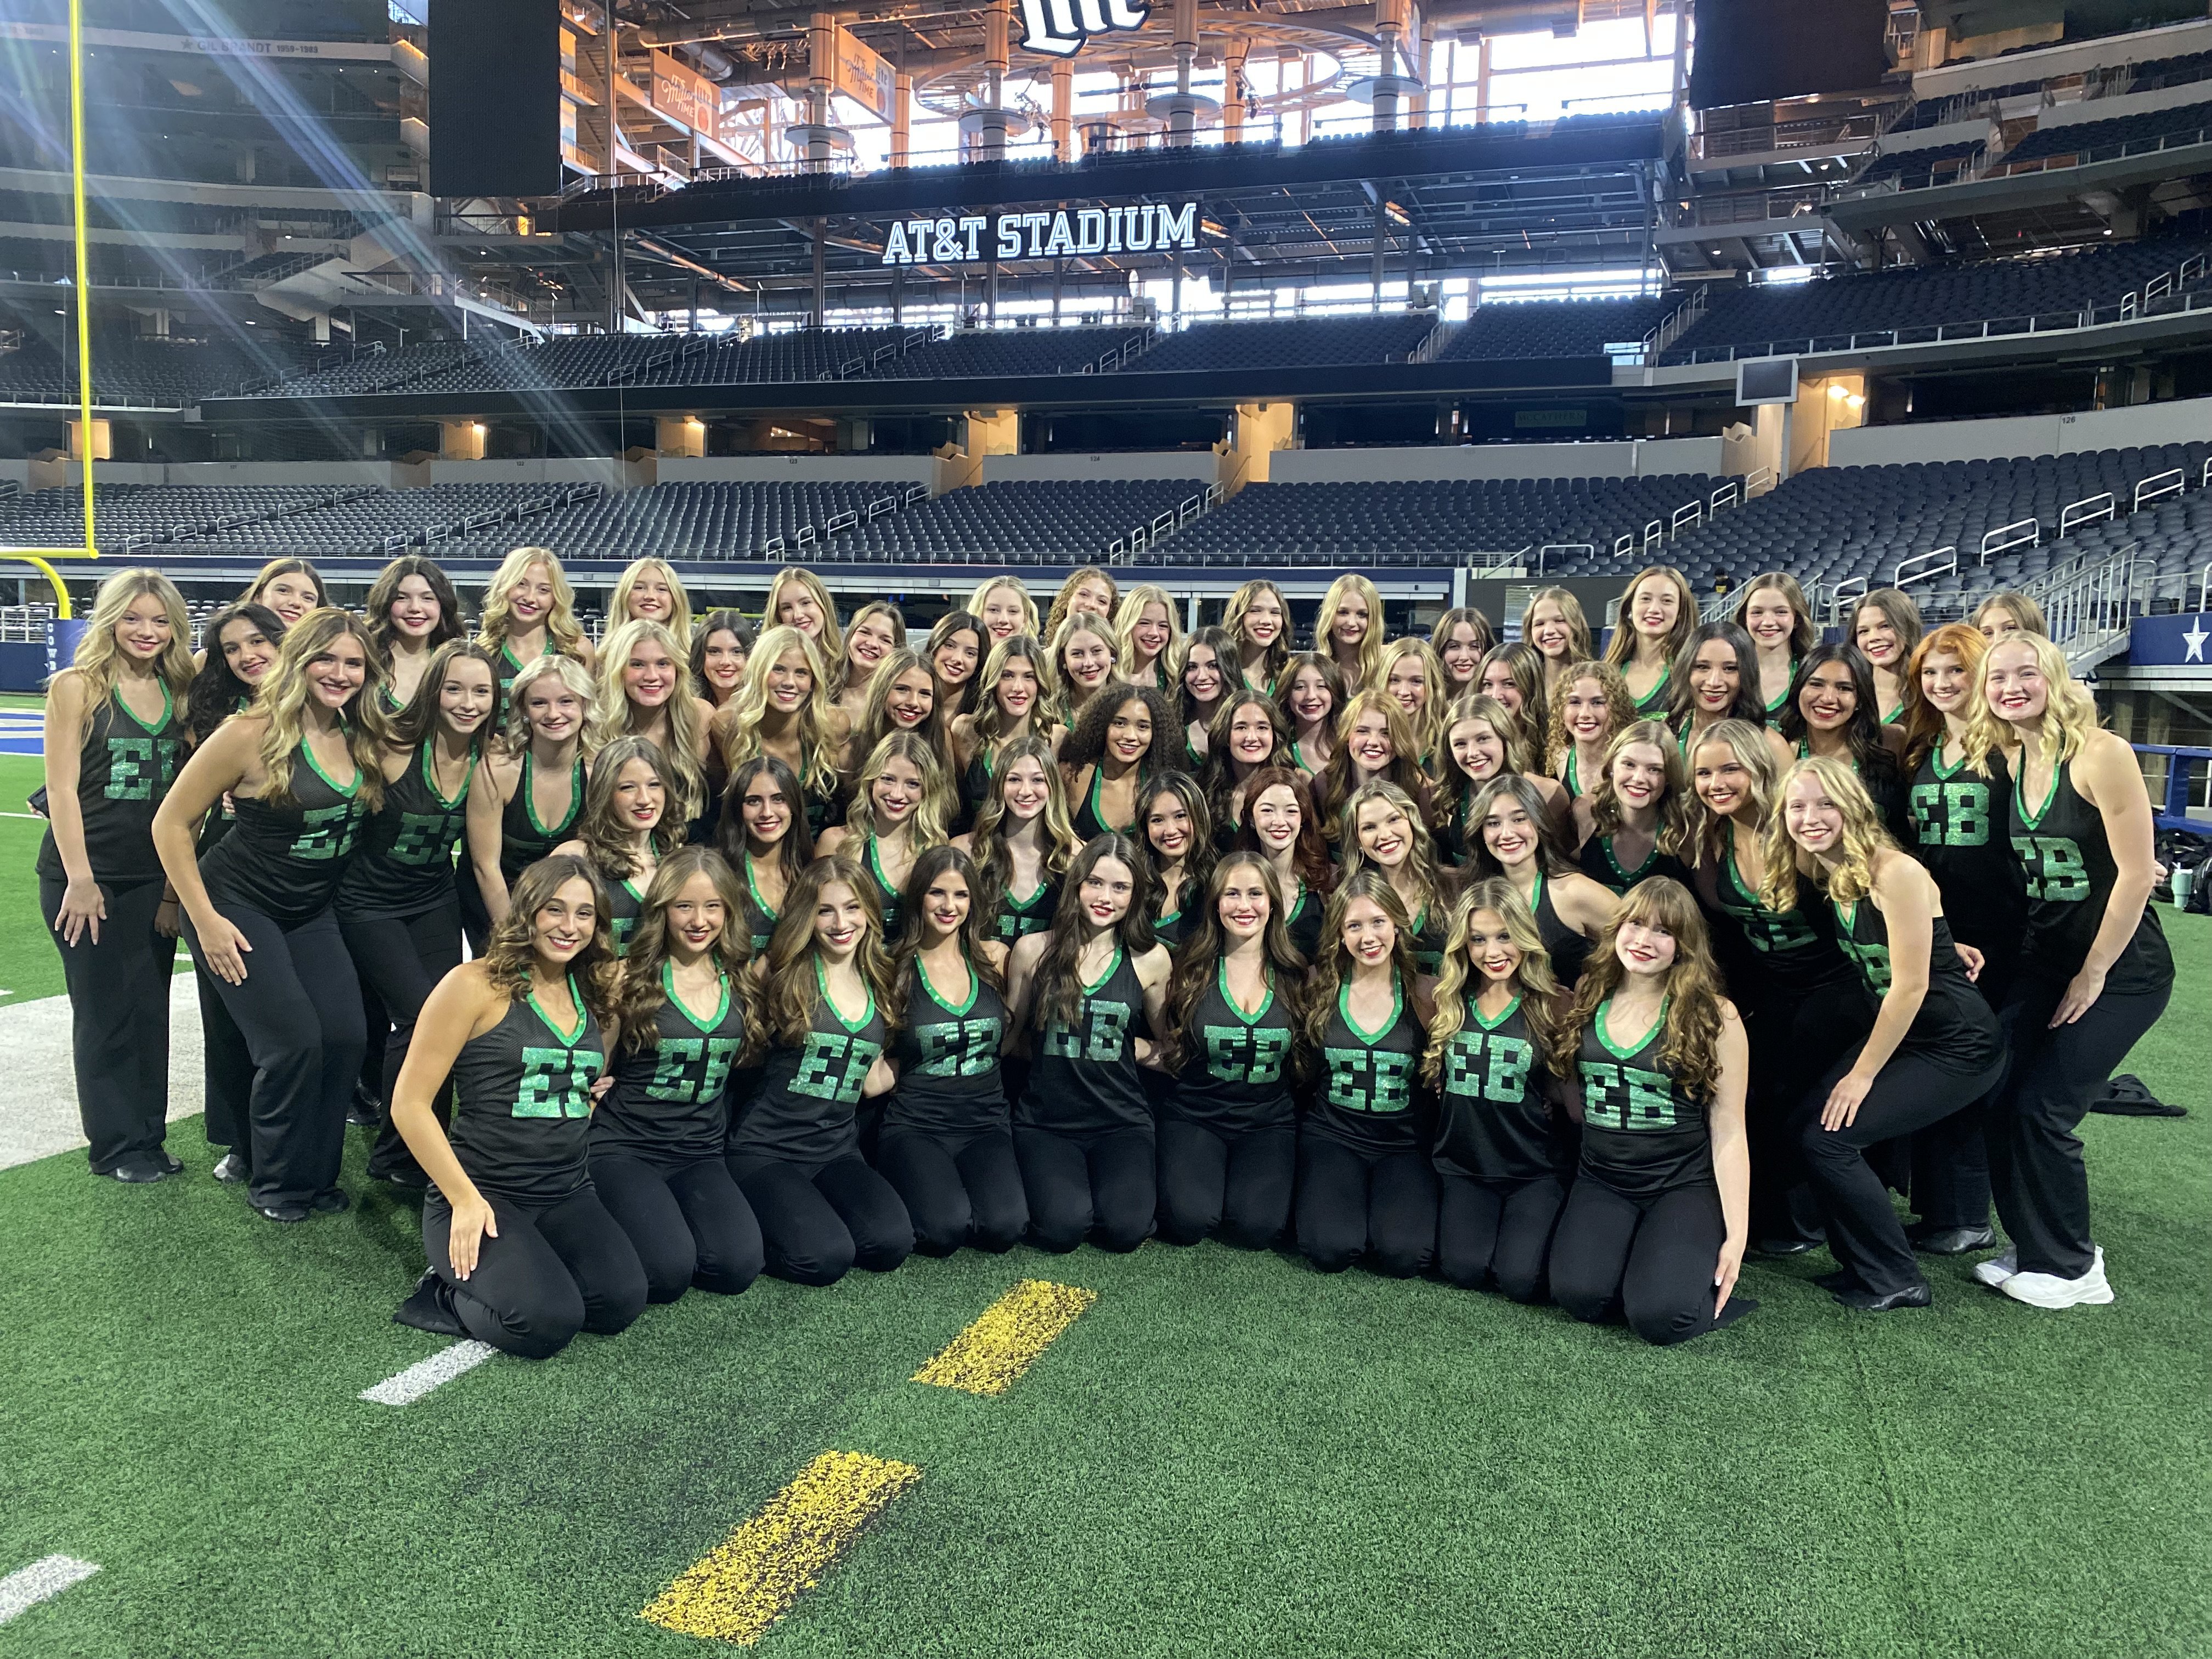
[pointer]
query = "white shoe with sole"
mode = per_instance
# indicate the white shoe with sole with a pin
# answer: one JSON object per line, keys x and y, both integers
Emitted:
{"x": 1997, "y": 1269}
{"x": 2049, "y": 1291}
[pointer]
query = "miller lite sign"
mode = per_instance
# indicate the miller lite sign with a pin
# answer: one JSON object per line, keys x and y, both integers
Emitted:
{"x": 1061, "y": 26}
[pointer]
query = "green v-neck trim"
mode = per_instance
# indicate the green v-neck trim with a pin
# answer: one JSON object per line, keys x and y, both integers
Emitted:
{"x": 1848, "y": 914}
{"x": 2034, "y": 820}
{"x": 530, "y": 794}
{"x": 1397, "y": 1010}
{"x": 1092, "y": 987}
{"x": 975, "y": 988}
{"x": 721, "y": 1008}
{"x": 431, "y": 777}
{"x": 753, "y": 887}
{"x": 1507, "y": 1012}
{"x": 345, "y": 789}
{"x": 1266, "y": 998}
{"x": 1637, "y": 1047}
{"x": 852, "y": 1027}
{"x": 168, "y": 709}
{"x": 568, "y": 1039}
{"x": 1631, "y": 877}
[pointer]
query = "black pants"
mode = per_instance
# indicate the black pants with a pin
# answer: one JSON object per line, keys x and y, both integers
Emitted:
{"x": 1652, "y": 1260}
{"x": 1793, "y": 1041}
{"x": 299, "y": 1010}
{"x": 1497, "y": 1229}
{"x": 1237, "y": 1186}
{"x": 1951, "y": 1169}
{"x": 400, "y": 960}
{"x": 549, "y": 1273}
{"x": 959, "y": 1189}
{"x": 1101, "y": 1186}
{"x": 1383, "y": 1205}
{"x": 226, "y": 1070}
{"x": 1909, "y": 1094}
{"x": 817, "y": 1221}
{"x": 690, "y": 1223}
{"x": 119, "y": 992}
{"x": 2036, "y": 1169}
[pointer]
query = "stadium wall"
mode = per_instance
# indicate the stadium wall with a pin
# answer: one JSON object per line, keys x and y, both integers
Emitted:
{"x": 2180, "y": 421}
{"x": 802, "y": 469}
{"x": 1637, "y": 458}
{"x": 1203, "y": 465}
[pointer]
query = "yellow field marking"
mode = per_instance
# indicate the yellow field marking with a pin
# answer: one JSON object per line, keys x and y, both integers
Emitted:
{"x": 739, "y": 1590}
{"x": 1006, "y": 1339}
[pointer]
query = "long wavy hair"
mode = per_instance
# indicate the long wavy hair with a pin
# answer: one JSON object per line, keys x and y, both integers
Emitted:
{"x": 743, "y": 739}
{"x": 1706, "y": 833}
{"x": 1864, "y": 733}
{"x": 560, "y": 625}
{"x": 1325, "y": 978}
{"x": 1216, "y": 639}
{"x": 992, "y": 719}
{"x": 1427, "y": 722}
{"x": 1554, "y": 856}
{"x": 216, "y": 692}
{"x": 98, "y": 660}
{"x": 1690, "y": 1050}
{"x": 881, "y": 611}
{"x": 1621, "y": 649}
{"x": 831, "y": 645}
{"x": 1336, "y": 785}
{"x": 876, "y": 722}
{"x": 571, "y": 673}
{"x": 1804, "y": 633}
{"x": 932, "y": 813}
{"x": 1032, "y": 624}
{"x": 1127, "y": 616}
{"x": 1532, "y": 980}
{"x": 679, "y": 621}
{"x": 1682, "y": 702}
{"x": 1332, "y": 677}
{"x": 989, "y": 840}
{"x": 610, "y": 843}
{"x": 377, "y": 608}
{"x": 1512, "y": 731}
{"x": 1079, "y": 621}
{"x": 792, "y": 991}
{"x": 1604, "y": 799}
{"x": 508, "y": 953}
{"x": 1351, "y": 585}
{"x": 1232, "y": 623}
{"x": 1448, "y": 625}
{"x": 1199, "y": 861}
{"x": 794, "y": 850}
{"x": 1617, "y": 701}
{"x": 1063, "y": 603}
{"x": 1581, "y": 644}
{"x": 721, "y": 620}
{"x": 284, "y": 698}
{"x": 1851, "y": 876}
{"x": 417, "y": 723}
{"x": 1085, "y": 745}
{"x": 953, "y": 623}
{"x": 1421, "y": 847}
{"x": 1309, "y": 852}
{"x": 1199, "y": 959}
{"x": 1217, "y": 774}
{"x": 614, "y": 715}
{"x": 2069, "y": 715}
{"x": 1923, "y": 722}
{"x": 914, "y": 930}
{"x": 642, "y": 993}
{"x": 1058, "y": 987}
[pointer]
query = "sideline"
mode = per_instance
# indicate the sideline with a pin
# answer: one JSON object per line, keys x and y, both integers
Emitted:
{"x": 38, "y": 1110}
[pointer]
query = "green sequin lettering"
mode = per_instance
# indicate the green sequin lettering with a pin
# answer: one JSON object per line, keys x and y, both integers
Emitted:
{"x": 692, "y": 1069}
{"x": 1873, "y": 962}
{"x": 1966, "y": 808}
{"x": 2056, "y": 872}
{"x": 556, "y": 1082}
{"x": 1605, "y": 1103}
{"x": 1650, "y": 1100}
{"x": 1368, "y": 1079}
{"x": 834, "y": 1066}
{"x": 325, "y": 833}
{"x": 959, "y": 1048}
{"x": 422, "y": 838}
{"x": 1508, "y": 1077}
{"x": 136, "y": 766}
{"x": 1242, "y": 1054}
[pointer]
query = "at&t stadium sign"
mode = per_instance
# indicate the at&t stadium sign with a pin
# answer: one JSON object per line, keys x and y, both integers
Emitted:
{"x": 1147, "y": 228}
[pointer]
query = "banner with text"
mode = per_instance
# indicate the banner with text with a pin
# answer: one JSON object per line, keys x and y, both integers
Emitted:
{"x": 1147, "y": 228}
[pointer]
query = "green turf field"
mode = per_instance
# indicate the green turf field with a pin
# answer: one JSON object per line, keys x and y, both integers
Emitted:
{"x": 1227, "y": 1455}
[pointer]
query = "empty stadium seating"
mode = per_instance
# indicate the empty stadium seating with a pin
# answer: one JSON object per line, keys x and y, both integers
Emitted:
{"x": 2083, "y": 137}
{"x": 1311, "y": 343}
{"x": 1914, "y": 169}
{"x": 693, "y": 521}
{"x": 126, "y": 513}
{"x": 1017, "y": 521}
{"x": 146, "y": 372}
{"x": 1551, "y": 328}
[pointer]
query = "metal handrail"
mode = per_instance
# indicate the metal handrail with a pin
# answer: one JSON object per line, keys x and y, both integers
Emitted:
{"x": 2074, "y": 515}
{"x": 1992, "y": 543}
{"x": 2157, "y": 487}
{"x": 1926, "y": 567}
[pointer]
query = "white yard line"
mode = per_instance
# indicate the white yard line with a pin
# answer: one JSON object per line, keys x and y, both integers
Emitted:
{"x": 37, "y": 1110}
{"x": 41, "y": 1581}
{"x": 419, "y": 1378}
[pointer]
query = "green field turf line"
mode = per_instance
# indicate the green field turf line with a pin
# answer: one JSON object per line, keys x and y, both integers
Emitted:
{"x": 420, "y": 1378}
{"x": 41, "y": 1581}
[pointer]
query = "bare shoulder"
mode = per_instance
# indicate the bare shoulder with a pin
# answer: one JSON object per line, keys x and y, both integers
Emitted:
{"x": 1026, "y": 950}
{"x": 996, "y": 953}
{"x": 1154, "y": 966}
{"x": 965, "y": 841}
{"x": 832, "y": 838}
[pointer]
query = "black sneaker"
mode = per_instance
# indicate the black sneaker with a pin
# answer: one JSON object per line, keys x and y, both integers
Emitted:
{"x": 332, "y": 1202}
{"x": 140, "y": 1168}
{"x": 365, "y": 1110}
{"x": 1949, "y": 1241}
{"x": 287, "y": 1213}
{"x": 231, "y": 1168}
{"x": 431, "y": 1308}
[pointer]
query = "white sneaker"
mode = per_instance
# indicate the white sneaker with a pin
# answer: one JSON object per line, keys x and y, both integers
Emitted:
{"x": 2049, "y": 1291}
{"x": 1997, "y": 1269}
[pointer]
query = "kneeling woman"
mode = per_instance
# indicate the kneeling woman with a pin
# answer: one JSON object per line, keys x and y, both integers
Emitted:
{"x": 657, "y": 1136}
{"x": 1656, "y": 1224}
{"x": 523, "y": 1255}
{"x": 1502, "y": 1151}
{"x": 1083, "y": 1129}
{"x": 1934, "y": 1049}
{"x": 1365, "y": 1181}
{"x": 946, "y": 1144}
{"x": 823, "y": 986}
{"x": 1228, "y": 1128}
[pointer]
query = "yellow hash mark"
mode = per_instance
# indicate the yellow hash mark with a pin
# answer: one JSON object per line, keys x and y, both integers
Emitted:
{"x": 739, "y": 1589}
{"x": 1006, "y": 1338}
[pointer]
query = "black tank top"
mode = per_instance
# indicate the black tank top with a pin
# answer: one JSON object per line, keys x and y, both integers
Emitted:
{"x": 1236, "y": 1075}
{"x": 286, "y": 861}
{"x": 1954, "y": 1029}
{"x": 1428, "y": 943}
{"x": 1018, "y": 918}
{"x": 1598, "y": 863}
{"x": 1780, "y": 954}
{"x": 891, "y": 902}
{"x": 948, "y": 1081}
{"x": 625, "y": 905}
{"x": 1085, "y": 1080}
{"x": 1641, "y": 1135}
{"x": 2070, "y": 872}
{"x": 505, "y": 668}
{"x": 1493, "y": 1121}
{"x": 1959, "y": 833}
{"x": 405, "y": 863}
{"x": 1568, "y": 949}
{"x": 1304, "y": 921}
{"x": 1366, "y": 1099}
{"x": 804, "y": 1111}
{"x": 1089, "y": 825}
{"x": 124, "y": 770}
{"x": 1172, "y": 927}
{"x": 522, "y": 839}
{"x": 522, "y": 1120}
{"x": 757, "y": 920}
{"x": 670, "y": 1104}
{"x": 976, "y": 783}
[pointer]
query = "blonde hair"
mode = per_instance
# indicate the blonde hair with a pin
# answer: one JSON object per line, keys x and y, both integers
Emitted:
{"x": 743, "y": 741}
{"x": 1619, "y": 703}
{"x": 884, "y": 607}
{"x": 1621, "y": 650}
{"x": 930, "y": 815}
{"x": 1705, "y": 832}
{"x": 571, "y": 673}
{"x": 679, "y": 621}
{"x": 1532, "y": 979}
{"x": 1851, "y": 876}
{"x": 282, "y": 698}
{"x": 1127, "y": 616}
{"x": 1605, "y": 805}
{"x": 560, "y": 625}
{"x": 2069, "y": 713}
{"x": 1421, "y": 847}
{"x": 613, "y": 714}
{"x": 1032, "y": 624}
{"x": 2023, "y": 610}
{"x": 1428, "y": 723}
{"x": 1511, "y": 731}
{"x": 831, "y": 645}
{"x": 99, "y": 660}
{"x": 1580, "y": 645}
{"x": 1352, "y": 584}
{"x": 1078, "y": 622}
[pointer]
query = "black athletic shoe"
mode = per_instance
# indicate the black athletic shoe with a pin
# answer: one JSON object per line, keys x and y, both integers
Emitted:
{"x": 287, "y": 1213}
{"x": 365, "y": 1110}
{"x": 408, "y": 1176}
{"x": 431, "y": 1308}
{"x": 231, "y": 1168}
{"x": 1784, "y": 1246}
{"x": 1950, "y": 1240}
{"x": 1857, "y": 1296}
{"x": 168, "y": 1160}
{"x": 140, "y": 1168}
{"x": 332, "y": 1202}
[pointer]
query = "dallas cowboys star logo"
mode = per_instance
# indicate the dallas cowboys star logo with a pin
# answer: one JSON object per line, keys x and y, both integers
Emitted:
{"x": 2195, "y": 639}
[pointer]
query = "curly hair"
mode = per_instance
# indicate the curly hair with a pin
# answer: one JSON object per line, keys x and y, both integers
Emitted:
{"x": 641, "y": 992}
{"x": 1532, "y": 977}
{"x": 1058, "y": 986}
{"x": 1851, "y": 876}
{"x": 1063, "y": 603}
{"x": 1085, "y": 745}
{"x": 2069, "y": 715}
{"x": 791, "y": 989}
{"x": 1689, "y": 1051}
{"x": 510, "y": 952}
{"x": 1620, "y": 705}
{"x": 572, "y": 674}
{"x": 1604, "y": 799}
{"x": 1199, "y": 959}
{"x": 98, "y": 658}
{"x": 561, "y": 625}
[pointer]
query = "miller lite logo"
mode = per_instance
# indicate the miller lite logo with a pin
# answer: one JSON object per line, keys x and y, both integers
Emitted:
{"x": 1061, "y": 26}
